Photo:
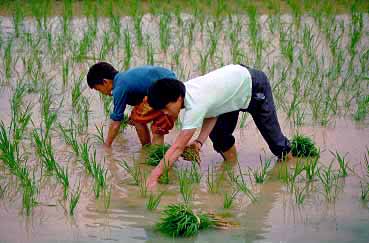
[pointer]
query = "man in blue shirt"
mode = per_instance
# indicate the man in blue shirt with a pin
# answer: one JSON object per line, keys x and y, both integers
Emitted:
{"x": 130, "y": 88}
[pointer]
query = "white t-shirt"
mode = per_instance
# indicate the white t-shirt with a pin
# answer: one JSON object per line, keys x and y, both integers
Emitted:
{"x": 223, "y": 90}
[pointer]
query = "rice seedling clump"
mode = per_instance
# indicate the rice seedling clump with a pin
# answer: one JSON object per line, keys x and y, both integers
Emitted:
{"x": 179, "y": 220}
{"x": 156, "y": 153}
{"x": 302, "y": 146}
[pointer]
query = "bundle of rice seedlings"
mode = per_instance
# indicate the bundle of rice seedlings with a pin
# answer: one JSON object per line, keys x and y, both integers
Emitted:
{"x": 302, "y": 146}
{"x": 191, "y": 154}
{"x": 156, "y": 153}
{"x": 179, "y": 220}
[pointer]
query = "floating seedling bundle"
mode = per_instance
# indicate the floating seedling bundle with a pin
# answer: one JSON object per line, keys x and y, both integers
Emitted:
{"x": 179, "y": 220}
{"x": 303, "y": 146}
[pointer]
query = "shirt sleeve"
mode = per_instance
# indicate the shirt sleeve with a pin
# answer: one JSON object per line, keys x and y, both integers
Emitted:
{"x": 193, "y": 118}
{"x": 120, "y": 103}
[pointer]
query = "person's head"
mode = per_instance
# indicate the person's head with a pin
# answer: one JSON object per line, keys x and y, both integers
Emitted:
{"x": 167, "y": 95}
{"x": 100, "y": 77}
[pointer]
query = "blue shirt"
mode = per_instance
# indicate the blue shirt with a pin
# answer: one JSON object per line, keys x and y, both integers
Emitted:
{"x": 131, "y": 86}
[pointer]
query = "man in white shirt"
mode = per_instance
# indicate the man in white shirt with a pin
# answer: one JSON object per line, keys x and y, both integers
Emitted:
{"x": 212, "y": 102}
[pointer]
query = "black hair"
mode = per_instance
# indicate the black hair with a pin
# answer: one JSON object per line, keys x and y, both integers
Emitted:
{"x": 100, "y": 71}
{"x": 164, "y": 91}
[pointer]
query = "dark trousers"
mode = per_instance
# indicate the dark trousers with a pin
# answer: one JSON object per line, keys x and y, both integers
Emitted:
{"x": 263, "y": 112}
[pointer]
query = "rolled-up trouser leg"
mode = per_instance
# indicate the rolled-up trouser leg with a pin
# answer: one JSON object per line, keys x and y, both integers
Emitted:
{"x": 221, "y": 135}
{"x": 264, "y": 115}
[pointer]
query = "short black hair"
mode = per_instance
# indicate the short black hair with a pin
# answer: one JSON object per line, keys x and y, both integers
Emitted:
{"x": 98, "y": 72}
{"x": 164, "y": 91}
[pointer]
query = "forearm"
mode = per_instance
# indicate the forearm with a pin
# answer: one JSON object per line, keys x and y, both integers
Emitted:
{"x": 206, "y": 129}
{"x": 113, "y": 132}
{"x": 143, "y": 133}
{"x": 173, "y": 153}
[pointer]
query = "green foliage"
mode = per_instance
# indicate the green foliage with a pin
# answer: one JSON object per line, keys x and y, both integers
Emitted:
{"x": 74, "y": 201}
{"x": 153, "y": 201}
{"x": 133, "y": 171}
{"x": 260, "y": 174}
{"x": 185, "y": 185}
{"x": 229, "y": 198}
{"x": 156, "y": 153}
{"x": 302, "y": 146}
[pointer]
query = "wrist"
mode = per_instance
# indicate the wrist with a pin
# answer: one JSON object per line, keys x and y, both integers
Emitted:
{"x": 199, "y": 142}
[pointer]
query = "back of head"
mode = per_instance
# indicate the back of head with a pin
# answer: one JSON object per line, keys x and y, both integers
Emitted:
{"x": 164, "y": 91}
{"x": 100, "y": 71}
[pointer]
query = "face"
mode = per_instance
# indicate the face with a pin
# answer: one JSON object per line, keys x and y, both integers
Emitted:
{"x": 105, "y": 88}
{"x": 173, "y": 108}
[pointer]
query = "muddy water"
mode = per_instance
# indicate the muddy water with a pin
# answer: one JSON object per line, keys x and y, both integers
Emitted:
{"x": 275, "y": 217}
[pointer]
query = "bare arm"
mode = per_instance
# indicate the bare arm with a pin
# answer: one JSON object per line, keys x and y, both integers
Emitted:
{"x": 143, "y": 133}
{"x": 113, "y": 132}
{"x": 206, "y": 129}
{"x": 171, "y": 155}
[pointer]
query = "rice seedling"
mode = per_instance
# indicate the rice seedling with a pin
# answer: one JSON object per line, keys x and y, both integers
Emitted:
{"x": 311, "y": 168}
{"x": 164, "y": 31}
{"x": 242, "y": 185}
{"x": 153, "y": 201}
{"x": 8, "y": 150}
{"x": 100, "y": 134}
{"x": 107, "y": 103}
{"x": 179, "y": 220}
{"x": 283, "y": 172}
{"x": 362, "y": 108}
{"x": 74, "y": 198}
{"x": 195, "y": 173}
{"x": 70, "y": 136}
{"x": 291, "y": 177}
{"x": 29, "y": 190}
{"x": 8, "y": 60}
{"x": 185, "y": 185}
{"x": 63, "y": 178}
{"x": 149, "y": 52}
{"x": 211, "y": 180}
{"x": 329, "y": 180}
{"x": 156, "y": 153}
{"x": 302, "y": 146}
{"x": 164, "y": 178}
{"x": 364, "y": 191}
{"x": 204, "y": 62}
{"x": 114, "y": 21}
{"x": 299, "y": 194}
{"x": 229, "y": 199}
{"x": 45, "y": 151}
{"x": 356, "y": 29}
{"x": 99, "y": 173}
{"x": 65, "y": 72}
{"x": 260, "y": 174}
{"x": 127, "y": 49}
{"x": 76, "y": 94}
{"x": 86, "y": 159}
{"x": 142, "y": 184}
{"x": 107, "y": 197}
{"x": 343, "y": 164}
{"x": 133, "y": 171}
{"x": 137, "y": 20}
{"x": 83, "y": 115}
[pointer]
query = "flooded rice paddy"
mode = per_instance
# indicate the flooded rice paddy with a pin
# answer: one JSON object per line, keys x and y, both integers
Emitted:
{"x": 318, "y": 67}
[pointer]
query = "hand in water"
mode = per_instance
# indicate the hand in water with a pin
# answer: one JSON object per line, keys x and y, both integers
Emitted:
{"x": 152, "y": 181}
